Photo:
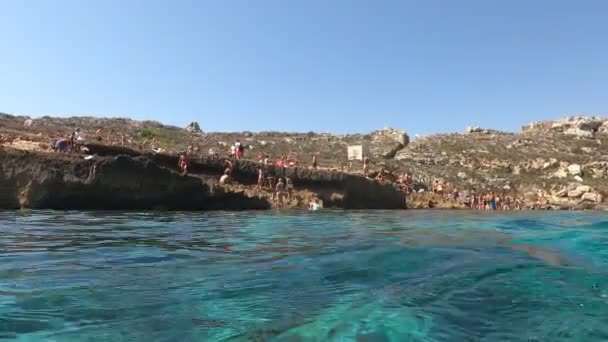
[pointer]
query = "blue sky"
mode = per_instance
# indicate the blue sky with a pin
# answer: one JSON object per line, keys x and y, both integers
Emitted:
{"x": 324, "y": 65}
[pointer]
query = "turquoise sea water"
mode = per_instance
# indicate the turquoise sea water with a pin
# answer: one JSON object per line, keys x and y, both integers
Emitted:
{"x": 329, "y": 276}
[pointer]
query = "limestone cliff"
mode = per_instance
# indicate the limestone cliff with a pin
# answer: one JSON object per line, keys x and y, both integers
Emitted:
{"x": 119, "y": 178}
{"x": 559, "y": 164}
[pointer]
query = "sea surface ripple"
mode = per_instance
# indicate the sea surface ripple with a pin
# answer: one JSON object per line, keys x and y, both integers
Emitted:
{"x": 293, "y": 276}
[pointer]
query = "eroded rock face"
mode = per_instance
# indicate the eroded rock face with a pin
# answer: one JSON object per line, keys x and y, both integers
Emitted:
{"x": 387, "y": 142}
{"x": 121, "y": 178}
{"x": 579, "y": 126}
{"x": 52, "y": 181}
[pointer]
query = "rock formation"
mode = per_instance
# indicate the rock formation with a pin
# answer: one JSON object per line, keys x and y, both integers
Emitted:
{"x": 120, "y": 178}
{"x": 540, "y": 165}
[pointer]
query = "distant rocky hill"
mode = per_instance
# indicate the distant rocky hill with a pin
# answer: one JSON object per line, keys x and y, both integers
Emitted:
{"x": 562, "y": 163}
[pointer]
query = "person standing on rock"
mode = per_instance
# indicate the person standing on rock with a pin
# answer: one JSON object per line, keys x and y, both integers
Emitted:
{"x": 314, "y": 161}
{"x": 280, "y": 190}
{"x": 238, "y": 149}
{"x": 289, "y": 187}
{"x": 260, "y": 178}
{"x": 365, "y": 165}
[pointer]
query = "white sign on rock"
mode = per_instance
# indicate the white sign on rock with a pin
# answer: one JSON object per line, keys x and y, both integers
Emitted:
{"x": 356, "y": 152}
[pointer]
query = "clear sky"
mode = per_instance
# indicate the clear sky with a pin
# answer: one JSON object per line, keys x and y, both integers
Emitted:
{"x": 298, "y": 65}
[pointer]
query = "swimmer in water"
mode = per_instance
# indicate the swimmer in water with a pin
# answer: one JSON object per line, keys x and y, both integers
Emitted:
{"x": 314, "y": 205}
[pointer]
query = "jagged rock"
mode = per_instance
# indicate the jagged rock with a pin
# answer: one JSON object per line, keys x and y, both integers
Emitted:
{"x": 581, "y": 133}
{"x": 193, "y": 127}
{"x": 575, "y": 193}
{"x": 387, "y": 142}
{"x": 592, "y": 197}
{"x": 575, "y": 170}
{"x": 552, "y": 162}
{"x": 578, "y": 179}
{"x": 579, "y": 126}
{"x": 603, "y": 129}
{"x": 583, "y": 188}
{"x": 561, "y": 173}
{"x": 597, "y": 169}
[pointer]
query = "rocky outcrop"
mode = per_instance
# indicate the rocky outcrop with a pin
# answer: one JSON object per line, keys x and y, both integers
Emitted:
{"x": 578, "y": 126}
{"x": 336, "y": 189}
{"x": 531, "y": 165}
{"x": 51, "y": 181}
{"x": 387, "y": 142}
{"x": 121, "y": 178}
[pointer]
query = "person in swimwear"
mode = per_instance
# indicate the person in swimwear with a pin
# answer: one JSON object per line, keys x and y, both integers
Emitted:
{"x": 314, "y": 205}
{"x": 225, "y": 179}
{"x": 183, "y": 164}
{"x": 280, "y": 191}
{"x": 260, "y": 178}
{"x": 98, "y": 135}
{"x": 365, "y": 165}
{"x": 314, "y": 161}
{"x": 228, "y": 170}
{"x": 289, "y": 187}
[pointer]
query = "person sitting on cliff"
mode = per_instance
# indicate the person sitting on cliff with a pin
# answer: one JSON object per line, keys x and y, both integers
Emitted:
{"x": 280, "y": 191}
{"x": 225, "y": 179}
{"x": 229, "y": 167}
{"x": 183, "y": 164}
{"x": 381, "y": 175}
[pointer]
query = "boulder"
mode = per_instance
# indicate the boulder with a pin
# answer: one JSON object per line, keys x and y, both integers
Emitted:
{"x": 578, "y": 179}
{"x": 387, "y": 142}
{"x": 581, "y": 133}
{"x": 603, "y": 129}
{"x": 462, "y": 175}
{"x": 575, "y": 170}
{"x": 583, "y": 188}
{"x": 592, "y": 197}
{"x": 575, "y": 193}
{"x": 561, "y": 173}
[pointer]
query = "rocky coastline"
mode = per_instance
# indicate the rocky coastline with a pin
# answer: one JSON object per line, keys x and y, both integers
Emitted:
{"x": 125, "y": 179}
{"x": 559, "y": 164}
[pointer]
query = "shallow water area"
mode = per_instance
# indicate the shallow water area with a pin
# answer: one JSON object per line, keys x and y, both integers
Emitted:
{"x": 293, "y": 276}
